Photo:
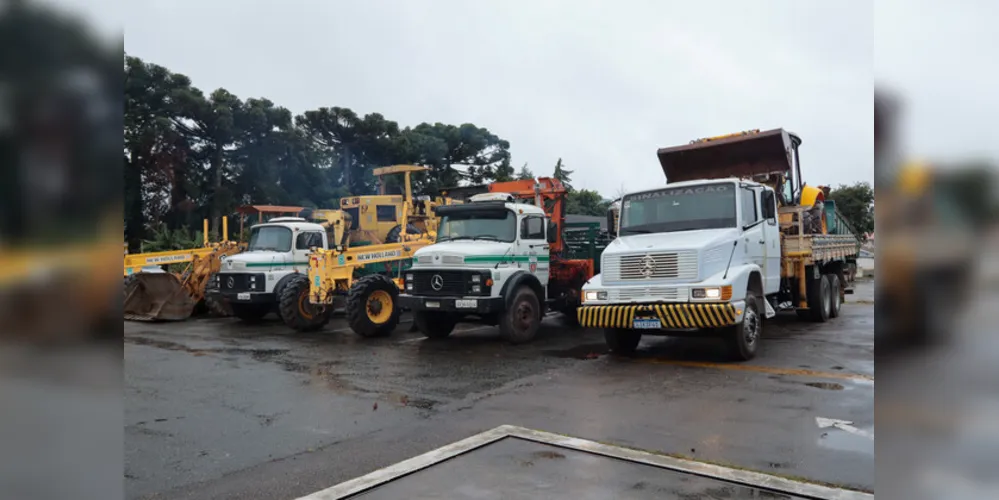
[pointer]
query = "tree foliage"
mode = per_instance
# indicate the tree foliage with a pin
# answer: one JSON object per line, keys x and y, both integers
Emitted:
{"x": 190, "y": 155}
{"x": 586, "y": 202}
{"x": 856, "y": 203}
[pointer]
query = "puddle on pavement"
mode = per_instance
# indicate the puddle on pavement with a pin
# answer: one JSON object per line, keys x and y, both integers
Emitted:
{"x": 844, "y": 441}
{"x": 586, "y": 351}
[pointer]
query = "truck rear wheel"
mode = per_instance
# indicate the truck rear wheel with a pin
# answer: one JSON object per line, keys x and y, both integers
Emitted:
{"x": 520, "y": 322}
{"x": 819, "y": 299}
{"x": 434, "y": 325}
{"x": 743, "y": 339}
{"x": 835, "y": 295}
{"x": 297, "y": 311}
{"x": 622, "y": 341}
{"x": 372, "y": 306}
{"x": 250, "y": 313}
{"x": 214, "y": 303}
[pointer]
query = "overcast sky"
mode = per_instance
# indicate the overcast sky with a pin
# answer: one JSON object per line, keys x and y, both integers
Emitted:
{"x": 600, "y": 84}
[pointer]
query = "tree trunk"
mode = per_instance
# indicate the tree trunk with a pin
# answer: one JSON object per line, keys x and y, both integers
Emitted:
{"x": 135, "y": 223}
{"x": 216, "y": 213}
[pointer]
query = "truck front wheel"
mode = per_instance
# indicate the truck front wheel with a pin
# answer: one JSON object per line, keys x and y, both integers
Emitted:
{"x": 372, "y": 306}
{"x": 743, "y": 339}
{"x": 297, "y": 311}
{"x": 622, "y": 341}
{"x": 520, "y": 322}
{"x": 434, "y": 325}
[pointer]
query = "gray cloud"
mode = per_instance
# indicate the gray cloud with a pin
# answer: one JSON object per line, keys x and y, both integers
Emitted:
{"x": 601, "y": 85}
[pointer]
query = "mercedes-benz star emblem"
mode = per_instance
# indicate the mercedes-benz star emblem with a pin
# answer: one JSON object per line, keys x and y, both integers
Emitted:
{"x": 437, "y": 282}
{"x": 230, "y": 282}
{"x": 648, "y": 266}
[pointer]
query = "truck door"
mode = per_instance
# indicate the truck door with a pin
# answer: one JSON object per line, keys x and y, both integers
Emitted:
{"x": 755, "y": 239}
{"x": 304, "y": 241}
{"x": 771, "y": 236}
{"x": 533, "y": 248}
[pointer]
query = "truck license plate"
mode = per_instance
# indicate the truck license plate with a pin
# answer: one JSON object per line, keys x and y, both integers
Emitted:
{"x": 647, "y": 324}
{"x": 433, "y": 305}
{"x": 243, "y": 296}
{"x": 466, "y": 304}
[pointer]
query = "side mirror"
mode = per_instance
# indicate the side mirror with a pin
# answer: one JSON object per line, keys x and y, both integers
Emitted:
{"x": 769, "y": 205}
{"x": 552, "y": 232}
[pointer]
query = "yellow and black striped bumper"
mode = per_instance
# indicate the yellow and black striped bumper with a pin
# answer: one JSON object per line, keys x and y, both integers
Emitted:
{"x": 673, "y": 316}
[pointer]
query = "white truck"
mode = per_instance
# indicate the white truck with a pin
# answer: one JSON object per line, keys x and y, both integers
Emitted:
{"x": 720, "y": 248}
{"x": 278, "y": 251}
{"x": 497, "y": 261}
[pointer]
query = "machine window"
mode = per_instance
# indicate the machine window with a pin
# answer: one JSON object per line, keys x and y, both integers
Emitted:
{"x": 308, "y": 240}
{"x": 385, "y": 213}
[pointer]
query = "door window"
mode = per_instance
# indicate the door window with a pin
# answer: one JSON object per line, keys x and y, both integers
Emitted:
{"x": 532, "y": 228}
{"x": 308, "y": 240}
{"x": 749, "y": 211}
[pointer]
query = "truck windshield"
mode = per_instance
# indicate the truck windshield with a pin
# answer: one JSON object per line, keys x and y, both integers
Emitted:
{"x": 500, "y": 225}
{"x": 270, "y": 238}
{"x": 688, "y": 208}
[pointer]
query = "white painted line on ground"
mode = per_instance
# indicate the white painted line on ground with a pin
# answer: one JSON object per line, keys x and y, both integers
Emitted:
{"x": 748, "y": 478}
{"x": 843, "y": 425}
{"x": 417, "y": 339}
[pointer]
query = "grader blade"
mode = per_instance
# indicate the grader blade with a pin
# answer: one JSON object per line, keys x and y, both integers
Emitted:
{"x": 156, "y": 297}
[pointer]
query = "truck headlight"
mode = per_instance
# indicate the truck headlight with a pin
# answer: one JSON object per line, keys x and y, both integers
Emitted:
{"x": 476, "y": 278}
{"x": 476, "y": 288}
{"x": 409, "y": 277}
{"x": 409, "y": 286}
{"x": 598, "y": 295}
{"x": 712, "y": 293}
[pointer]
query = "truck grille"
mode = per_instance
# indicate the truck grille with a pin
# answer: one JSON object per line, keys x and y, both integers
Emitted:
{"x": 680, "y": 265}
{"x": 240, "y": 282}
{"x": 455, "y": 283}
{"x": 654, "y": 293}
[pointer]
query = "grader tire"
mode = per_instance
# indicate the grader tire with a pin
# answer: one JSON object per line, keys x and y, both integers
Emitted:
{"x": 295, "y": 309}
{"x": 372, "y": 306}
{"x": 395, "y": 233}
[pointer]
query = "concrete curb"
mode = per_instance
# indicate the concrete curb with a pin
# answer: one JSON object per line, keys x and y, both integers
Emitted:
{"x": 743, "y": 477}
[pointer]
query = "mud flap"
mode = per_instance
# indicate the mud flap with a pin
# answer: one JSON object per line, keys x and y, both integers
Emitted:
{"x": 769, "y": 312}
{"x": 156, "y": 297}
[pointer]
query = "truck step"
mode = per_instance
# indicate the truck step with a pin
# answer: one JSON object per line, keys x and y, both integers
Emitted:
{"x": 769, "y": 310}
{"x": 848, "y": 291}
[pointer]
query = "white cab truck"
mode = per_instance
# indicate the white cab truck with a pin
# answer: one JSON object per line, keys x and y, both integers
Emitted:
{"x": 489, "y": 264}
{"x": 716, "y": 253}
{"x": 251, "y": 282}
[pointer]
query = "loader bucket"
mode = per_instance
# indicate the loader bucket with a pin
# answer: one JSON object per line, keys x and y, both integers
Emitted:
{"x": 740, "y": 155}
{"x": 156, "y": 297}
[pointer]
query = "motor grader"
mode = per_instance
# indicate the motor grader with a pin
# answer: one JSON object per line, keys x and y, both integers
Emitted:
{"x": 379, "y": 219}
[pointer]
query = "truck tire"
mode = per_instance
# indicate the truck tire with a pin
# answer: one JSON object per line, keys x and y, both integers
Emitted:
{"x": 520, "y": 322}
{"x": 395, "y": 233}
{"x": 623, "y": 342}
{"x": 297, "y": 311}
{"x": 434, "y": 325}
{"x": 250, "y": 313}
{"x": 743, "y": 339}
{"x": 372, "y": 306}
{"x": 819, "y": 297}
{"x": 835, "y": 295}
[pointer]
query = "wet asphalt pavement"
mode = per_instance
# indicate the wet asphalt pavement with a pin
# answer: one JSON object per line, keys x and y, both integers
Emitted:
{"x": 219, "y": 409}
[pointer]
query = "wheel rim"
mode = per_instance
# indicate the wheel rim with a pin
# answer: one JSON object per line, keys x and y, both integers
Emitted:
{"x": 523, "y": 315}
{"x": 751, "y": 327}
{"x": 304, "y": 306}
{"x": 837, "y": 299}
{"x": 379, "y": 306}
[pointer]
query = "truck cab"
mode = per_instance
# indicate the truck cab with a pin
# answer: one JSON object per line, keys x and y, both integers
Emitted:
{"x": 277, "y": 251}
{"x": 731, "y": 238}
{"x": 490, "y": 264}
